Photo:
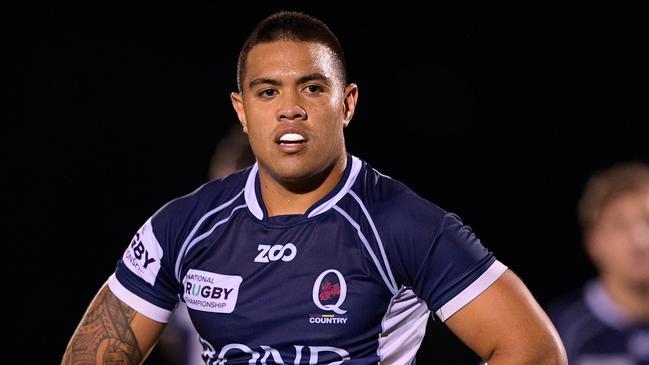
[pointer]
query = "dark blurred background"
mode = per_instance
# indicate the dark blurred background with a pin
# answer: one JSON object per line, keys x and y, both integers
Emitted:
{"x": 497, "y": 112}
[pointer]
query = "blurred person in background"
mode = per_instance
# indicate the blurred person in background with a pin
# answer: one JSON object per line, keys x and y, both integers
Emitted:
{"x": 607, "y": 323}
{"x": 179, "y": 343}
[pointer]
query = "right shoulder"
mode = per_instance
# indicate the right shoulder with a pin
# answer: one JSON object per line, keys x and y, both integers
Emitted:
{"x": 207, "y": 198}
{"x": 172, "y": 228}
{"x": 147, "y": 276}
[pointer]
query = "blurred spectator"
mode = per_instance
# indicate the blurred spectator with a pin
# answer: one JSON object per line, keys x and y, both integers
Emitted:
{"x": 179, "y": 343}
{"x": 607, "y": 323}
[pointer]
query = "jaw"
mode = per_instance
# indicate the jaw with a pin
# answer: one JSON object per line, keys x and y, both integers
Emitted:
{"x": 300, "y": 173}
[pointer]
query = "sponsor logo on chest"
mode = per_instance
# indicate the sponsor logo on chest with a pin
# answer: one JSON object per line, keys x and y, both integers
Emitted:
{"x": 268, "y": 253}
{"x": 211, "y": 292}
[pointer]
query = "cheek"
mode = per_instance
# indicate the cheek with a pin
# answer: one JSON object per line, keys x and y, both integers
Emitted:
{"x": 616, "y": 250}
{"x": 256, "y": 112}
{"x": 331, "y": 124}
{"x": 331, "y": 137}
{"x": 603, "y": 247}
{"x": 257, "y": 138}
{"x": 256, "y": 134}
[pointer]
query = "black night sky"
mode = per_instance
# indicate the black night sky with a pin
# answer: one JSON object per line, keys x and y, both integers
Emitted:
{"x": 497, "y": 112}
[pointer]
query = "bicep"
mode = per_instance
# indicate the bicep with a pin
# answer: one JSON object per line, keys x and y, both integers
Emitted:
{"x": 505, "y": 319}
{"x": 112, "y": 332}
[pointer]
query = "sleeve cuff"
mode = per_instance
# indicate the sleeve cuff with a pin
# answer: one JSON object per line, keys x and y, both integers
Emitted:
{"x": 472, "y": 291}
{"x": 132, "y": 300}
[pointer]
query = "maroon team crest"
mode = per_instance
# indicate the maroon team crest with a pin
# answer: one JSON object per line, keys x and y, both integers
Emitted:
{"x": 330, "y": 291}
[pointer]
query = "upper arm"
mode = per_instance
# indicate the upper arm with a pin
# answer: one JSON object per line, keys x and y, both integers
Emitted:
{"x": 505, "y": 321}
{"x": 112, "y": 332}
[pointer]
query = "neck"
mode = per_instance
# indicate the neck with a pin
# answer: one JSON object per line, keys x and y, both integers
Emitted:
{"x": 297, "y": 196}
{"x": 634, "y": 299}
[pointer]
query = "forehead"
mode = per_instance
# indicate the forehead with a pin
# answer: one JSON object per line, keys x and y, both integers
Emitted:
{"x": 290, "y": 59}
{"x": 629, "y": 202}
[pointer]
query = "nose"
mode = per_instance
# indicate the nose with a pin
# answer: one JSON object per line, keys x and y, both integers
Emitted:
{"x": 290, "y": 109}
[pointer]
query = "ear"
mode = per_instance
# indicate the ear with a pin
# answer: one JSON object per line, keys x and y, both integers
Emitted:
{"x": 349, "y": 103}
{"x": 237, "y": 103}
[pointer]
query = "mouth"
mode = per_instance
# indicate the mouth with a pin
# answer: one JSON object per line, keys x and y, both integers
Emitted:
{"x": 291, "y": 141}
{"x": 291, "y": 138}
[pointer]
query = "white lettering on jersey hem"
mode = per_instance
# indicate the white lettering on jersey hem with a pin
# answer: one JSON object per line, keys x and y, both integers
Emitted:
{"x": 142, "y": 306}
{"x": 188, "y": 241}
{"x": 472, "y": 291}
{"x": 376, "y": 235}
{"x": 315, "y": 350}
{"x": 356, "y": 168}
{"x": 393, "y": 289}
{"x": 255, "y": 353}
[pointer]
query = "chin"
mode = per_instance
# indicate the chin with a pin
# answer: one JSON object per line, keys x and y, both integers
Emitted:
{"x": 638, "y": 278}
{"x": 292, "y": 170}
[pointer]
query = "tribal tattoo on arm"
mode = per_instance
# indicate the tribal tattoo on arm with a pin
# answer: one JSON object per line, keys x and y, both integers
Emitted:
{"x": 105, "y": 335}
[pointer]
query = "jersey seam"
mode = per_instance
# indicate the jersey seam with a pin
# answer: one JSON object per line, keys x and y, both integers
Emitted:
{"x": 360, "y": 234}
{"x": 187, "y": 243}
{"x": 387, "y": 311}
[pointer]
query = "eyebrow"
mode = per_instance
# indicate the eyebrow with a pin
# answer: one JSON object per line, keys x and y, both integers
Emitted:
{"x": 303, "y": 79}
{"x": 260, "y": 81}
{"x": 314, "y": 77}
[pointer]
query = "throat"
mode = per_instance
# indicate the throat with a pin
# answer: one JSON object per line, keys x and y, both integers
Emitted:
{"x": 282, "y": 197}
{"x": 292, "y": 198}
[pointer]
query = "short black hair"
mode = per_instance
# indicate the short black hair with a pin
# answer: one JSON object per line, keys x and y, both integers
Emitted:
{"x": 291, "y": 26}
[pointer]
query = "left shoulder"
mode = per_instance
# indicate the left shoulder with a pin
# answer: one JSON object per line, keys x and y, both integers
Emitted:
{"x": 393, "y": 205}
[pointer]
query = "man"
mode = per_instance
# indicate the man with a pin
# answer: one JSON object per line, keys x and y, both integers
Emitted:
{"x": 310, "y": 255}
{"x": 608, "y": 322}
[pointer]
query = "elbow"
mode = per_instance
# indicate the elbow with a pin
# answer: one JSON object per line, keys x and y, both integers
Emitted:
{"x": 555, "y": 355}
{"x": 536, "y": 353}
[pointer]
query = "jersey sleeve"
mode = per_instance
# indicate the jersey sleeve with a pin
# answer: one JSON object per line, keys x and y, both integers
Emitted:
{"x": 439, "y": 257}
{"x": 140, "y": 280}
{"x": 455, "y": 268}
{"x": 144, "y": 278}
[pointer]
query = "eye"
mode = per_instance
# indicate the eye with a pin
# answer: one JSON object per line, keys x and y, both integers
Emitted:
{"x": 267, "y": 93}
{"x": 312, "y": 89}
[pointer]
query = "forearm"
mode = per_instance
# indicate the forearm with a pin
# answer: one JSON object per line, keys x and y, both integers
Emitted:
{"x": 105, "y": 334}
{"x": 535, "y": 358}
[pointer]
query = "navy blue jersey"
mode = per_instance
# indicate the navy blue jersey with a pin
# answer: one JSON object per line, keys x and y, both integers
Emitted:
{"x": 595, "y": 330}
{"x": 352, "y": 280}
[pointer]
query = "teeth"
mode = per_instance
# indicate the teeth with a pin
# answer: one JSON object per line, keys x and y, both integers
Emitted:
{"x": 291, "y": 137}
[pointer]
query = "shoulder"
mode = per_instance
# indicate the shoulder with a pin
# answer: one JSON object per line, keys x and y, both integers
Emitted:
{"x": 395, "y": 206}
{"x": 210, "y": 196}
